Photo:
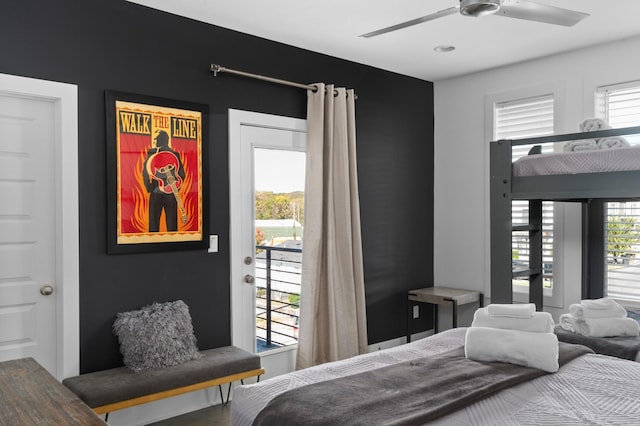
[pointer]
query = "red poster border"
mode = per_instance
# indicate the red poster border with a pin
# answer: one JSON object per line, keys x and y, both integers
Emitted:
{"x": 148, "y": 168}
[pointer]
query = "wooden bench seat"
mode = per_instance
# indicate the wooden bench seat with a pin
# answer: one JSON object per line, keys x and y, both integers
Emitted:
{"x": 118, "y": 388}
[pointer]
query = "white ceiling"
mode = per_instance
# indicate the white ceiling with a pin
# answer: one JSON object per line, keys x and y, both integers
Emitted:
{"x": 333, "y": 27}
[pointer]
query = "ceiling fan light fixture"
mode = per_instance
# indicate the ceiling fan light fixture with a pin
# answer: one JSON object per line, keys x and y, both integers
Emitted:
{"x": 478, "y": 8}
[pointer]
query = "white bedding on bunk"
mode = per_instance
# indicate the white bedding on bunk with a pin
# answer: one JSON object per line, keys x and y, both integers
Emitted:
{"x": 592, "y": 389}
{"x": 566, "y": 163}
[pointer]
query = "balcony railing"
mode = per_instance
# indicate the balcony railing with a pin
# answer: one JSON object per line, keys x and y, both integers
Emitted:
{"x": 277, "y": 296}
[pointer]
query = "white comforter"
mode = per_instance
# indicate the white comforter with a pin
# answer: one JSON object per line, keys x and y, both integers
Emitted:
{"x": 592, "y": 389}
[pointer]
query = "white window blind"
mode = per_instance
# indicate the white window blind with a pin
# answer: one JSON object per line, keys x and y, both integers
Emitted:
{"x": 517, "y": 119}
{"x": 619, "y": 105}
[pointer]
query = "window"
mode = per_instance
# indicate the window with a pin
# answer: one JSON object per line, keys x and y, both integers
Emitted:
{"x": 619, "y": 105}
{"x": 519, "y": 119}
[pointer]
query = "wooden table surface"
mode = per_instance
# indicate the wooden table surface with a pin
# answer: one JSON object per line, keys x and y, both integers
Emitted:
{"x": 29, "y": 395}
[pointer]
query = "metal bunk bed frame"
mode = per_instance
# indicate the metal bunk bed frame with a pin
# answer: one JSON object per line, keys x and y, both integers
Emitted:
{"x": 590, "y": 189}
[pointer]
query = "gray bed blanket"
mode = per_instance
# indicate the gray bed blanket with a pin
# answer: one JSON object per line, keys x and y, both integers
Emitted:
{"x": 408, "y": 393}
{"x": 620, "y": 347}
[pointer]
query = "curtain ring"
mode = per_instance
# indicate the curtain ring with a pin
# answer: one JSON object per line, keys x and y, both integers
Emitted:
{"x": 335, "y": 92}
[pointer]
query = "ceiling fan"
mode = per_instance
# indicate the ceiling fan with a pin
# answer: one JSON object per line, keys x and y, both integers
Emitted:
{"x": 520, "y": 9}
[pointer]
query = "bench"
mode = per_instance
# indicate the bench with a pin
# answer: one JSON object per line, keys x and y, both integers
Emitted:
{"x": 118, "y": 388}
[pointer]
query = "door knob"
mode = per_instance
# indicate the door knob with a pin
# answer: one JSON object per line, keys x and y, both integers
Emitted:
{"x": 46, "y": 290}
{"x": 249, "y": 279}
{"x": 248, "y": 260}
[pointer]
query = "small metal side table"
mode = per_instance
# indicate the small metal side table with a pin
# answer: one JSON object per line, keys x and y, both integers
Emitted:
{"x": 441, "y": 296}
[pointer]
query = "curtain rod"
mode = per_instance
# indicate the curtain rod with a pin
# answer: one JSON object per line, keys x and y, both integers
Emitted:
{"x": 215, "y": 68}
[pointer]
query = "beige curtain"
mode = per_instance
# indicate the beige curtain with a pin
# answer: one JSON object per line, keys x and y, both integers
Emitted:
{"x": 332, "y": 305}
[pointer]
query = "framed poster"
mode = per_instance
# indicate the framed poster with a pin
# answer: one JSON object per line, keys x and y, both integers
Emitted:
{"x": 155, "y": 151}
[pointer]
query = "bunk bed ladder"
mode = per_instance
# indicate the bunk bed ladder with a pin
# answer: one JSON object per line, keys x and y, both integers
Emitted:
{"x": 536, "y": 269}
{"x": 501, "y": 228}
{"x": 593, "y": 253}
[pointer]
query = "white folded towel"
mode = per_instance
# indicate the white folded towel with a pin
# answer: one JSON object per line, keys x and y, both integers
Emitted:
{"x": 537, "y": 350}
{"x": 515, "y": 310}
{"x": 593, "y": 124}
{"x": 615, "y": 310}
{"x": 600, "y": 327}
{"x": 580, "y": 145}
{"x": 602, "y": 303}
{"x": 539, "y": 322}
{"x": 613, "y": 142}
{"x": 569, "y": 322}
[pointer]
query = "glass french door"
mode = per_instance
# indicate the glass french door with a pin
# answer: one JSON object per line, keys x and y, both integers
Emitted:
{"x": 267, "y": 160}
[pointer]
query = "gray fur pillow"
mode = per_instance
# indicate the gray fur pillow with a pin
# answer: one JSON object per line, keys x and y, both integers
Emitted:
{"x": 156, "y": 336}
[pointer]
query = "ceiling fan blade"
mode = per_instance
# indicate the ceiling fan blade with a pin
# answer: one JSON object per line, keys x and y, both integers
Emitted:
{"x": 530, "y": 11}
{"x": 440, "y": 14}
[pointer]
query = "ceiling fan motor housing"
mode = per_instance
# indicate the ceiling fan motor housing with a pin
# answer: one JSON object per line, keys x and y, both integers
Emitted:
{"x": 477, "y": 8}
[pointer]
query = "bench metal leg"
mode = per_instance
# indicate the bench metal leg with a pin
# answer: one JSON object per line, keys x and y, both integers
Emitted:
{"x": 228, "y": 393}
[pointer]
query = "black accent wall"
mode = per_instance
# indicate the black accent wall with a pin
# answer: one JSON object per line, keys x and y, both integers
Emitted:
{"x": 115, "y": 45}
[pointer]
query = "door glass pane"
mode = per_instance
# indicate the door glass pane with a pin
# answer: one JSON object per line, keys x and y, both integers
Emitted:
{"x": 279, "y": 215}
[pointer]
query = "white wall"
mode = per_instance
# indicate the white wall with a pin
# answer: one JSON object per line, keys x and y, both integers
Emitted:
{"x": 462, "y": 138}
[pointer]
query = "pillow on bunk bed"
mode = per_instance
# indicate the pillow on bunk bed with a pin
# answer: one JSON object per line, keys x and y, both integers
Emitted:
{"x": 537, "y": 149}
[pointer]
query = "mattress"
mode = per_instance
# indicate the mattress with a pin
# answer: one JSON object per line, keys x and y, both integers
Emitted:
{"x": 592, "y": 389}
{"x": 565, "y": 163}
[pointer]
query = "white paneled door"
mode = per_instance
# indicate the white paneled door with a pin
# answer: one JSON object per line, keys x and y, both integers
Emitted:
{"x": 28, "y": 288}
{"x": 27, "y": 230}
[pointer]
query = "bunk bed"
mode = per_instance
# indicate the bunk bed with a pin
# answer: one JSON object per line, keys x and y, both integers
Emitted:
{"x": 592, "y": 186}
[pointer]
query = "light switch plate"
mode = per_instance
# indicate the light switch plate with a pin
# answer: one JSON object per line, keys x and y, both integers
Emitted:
{"x": 213, "y": 244}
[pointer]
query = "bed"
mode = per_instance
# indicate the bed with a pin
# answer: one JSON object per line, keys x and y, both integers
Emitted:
{"x": 591, "y": 389}
{"x": 619, "y": 347}
{"x": 587, "y": 177}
